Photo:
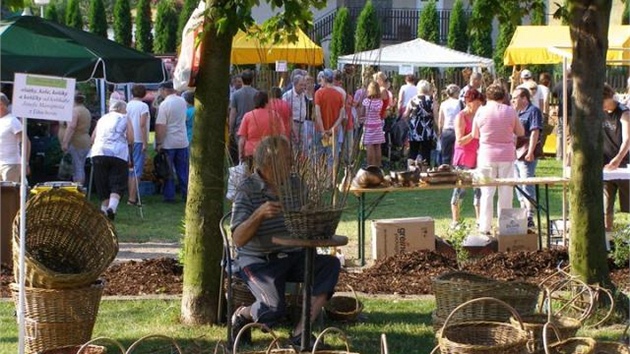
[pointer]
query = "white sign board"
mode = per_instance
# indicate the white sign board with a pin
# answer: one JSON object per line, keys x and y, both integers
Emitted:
{"x": 405, "y": 69}
{"x": 282, "y": 66}
{"x": 43, "y": 97}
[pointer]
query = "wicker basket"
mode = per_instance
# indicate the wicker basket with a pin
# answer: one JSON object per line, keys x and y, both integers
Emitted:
{"x": 455, "y": 288}
{"x": 241, "y": 295}
{"x": 320, "y": 337}
{"x": 611, "y": 348}
{"x": 312, "y": 225}
{"x": 58, "y": 317}
{"x": 74, "y": 349}
{"x": 69, "y": 242}
{"x": 483, "y": 337}
{"x": 567, "y": 327}
{"x": 575, "y": 345}
{"x": 344, "y": 308}
{"x": 272, "y": 348}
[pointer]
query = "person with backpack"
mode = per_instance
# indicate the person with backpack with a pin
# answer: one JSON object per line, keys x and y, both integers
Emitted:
{"x": 420, "y": 113}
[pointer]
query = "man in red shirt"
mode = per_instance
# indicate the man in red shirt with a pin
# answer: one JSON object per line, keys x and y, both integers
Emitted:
{"x": 329, "y": 114}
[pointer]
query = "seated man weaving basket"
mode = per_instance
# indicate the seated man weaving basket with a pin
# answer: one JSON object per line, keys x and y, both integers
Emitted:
{"x": 264, "y": 266}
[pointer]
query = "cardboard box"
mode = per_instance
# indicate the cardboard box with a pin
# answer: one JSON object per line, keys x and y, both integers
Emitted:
{"x": 394, "y": 236}
{"x": 513, "y": 243}
{"x": 513, "y": 221}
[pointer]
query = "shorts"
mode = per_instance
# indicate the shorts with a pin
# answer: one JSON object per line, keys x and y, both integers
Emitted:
{"x": 610, "y": 192}
{"x": 110, "y": 176}
{"x": 10, "y": 173}
{"x": 138, "y": 161}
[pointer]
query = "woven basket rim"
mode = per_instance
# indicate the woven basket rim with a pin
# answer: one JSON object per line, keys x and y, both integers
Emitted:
{"x": 519, "y": 336}
{"x": 330, "y": 308}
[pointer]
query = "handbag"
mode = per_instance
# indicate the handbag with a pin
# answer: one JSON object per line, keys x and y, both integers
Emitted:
{"x": 66, "y": 169}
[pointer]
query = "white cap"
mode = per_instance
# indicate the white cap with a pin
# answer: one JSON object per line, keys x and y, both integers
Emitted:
{"x": 526, "y": 74}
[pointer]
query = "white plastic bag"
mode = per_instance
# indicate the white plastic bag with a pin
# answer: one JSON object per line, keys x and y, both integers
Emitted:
{"x": 187, "y": 67}
{"x": 236, "y": 175}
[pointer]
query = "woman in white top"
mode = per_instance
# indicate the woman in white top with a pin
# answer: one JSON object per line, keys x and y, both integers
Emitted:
{"x": 110, "y": 155}
{"x": 446, "y": 122}
{"x": 406, "y": 93}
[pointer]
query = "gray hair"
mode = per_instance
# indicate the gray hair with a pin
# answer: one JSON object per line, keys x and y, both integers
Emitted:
{"x": 475, "y": 76}
{"x": 269, "y": 149}
{"x": 452, "y": 90}
{"x": 117, "y": 105}
{"x": 4, "y": 99}
{"x": 296, "y": 79}
{"x": 424, "y": 87}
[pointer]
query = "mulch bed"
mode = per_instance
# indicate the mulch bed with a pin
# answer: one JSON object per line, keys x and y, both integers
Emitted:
{"x": 406, "y": 274}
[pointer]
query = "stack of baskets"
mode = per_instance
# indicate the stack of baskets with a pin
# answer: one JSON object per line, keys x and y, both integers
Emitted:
{"x": 455, "y": 288}
{"x": 69, "y": 243}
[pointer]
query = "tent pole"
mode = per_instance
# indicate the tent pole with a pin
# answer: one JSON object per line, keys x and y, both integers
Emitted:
{"x": 565, "y": 100}
{"x": 102, "y": 90}
{"x": 22, "y": 251}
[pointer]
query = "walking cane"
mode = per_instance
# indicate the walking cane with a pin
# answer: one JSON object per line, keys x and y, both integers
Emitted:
{"x": 132, "y": 168}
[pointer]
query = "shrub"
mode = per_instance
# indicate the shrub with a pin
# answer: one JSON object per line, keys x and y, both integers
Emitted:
{"x": 480, "y": 28}
{"x": 342, "y": 41}
{"x": 97, "y": 18}
{"x": 122, "y": 22}
{"x": 51, "y": 13}
{"x": 184, "y": 15}
{"x": 457, "y": 36}
{"x": 144, "y": 37}
{"x": 429, "y": 23}
{"x": 165, "y": 27}
{"x": 368, "y": 33}
{"x": 73, "y": 15}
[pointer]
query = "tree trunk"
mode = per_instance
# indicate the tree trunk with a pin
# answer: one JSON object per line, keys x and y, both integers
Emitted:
{"x": 589, "y": 34}
{"x": 203, "y": 246}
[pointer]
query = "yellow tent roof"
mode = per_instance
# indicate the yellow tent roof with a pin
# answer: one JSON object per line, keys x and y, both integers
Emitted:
{"x": 548, "y": 44}
{"x": 249, "y": 50}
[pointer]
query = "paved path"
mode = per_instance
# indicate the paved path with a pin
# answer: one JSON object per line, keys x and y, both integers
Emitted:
{"x": 128, "y": 251}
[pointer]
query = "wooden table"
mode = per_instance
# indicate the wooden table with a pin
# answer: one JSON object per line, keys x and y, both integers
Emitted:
{"x": 309, "y": 260}
{"x": 364, "y": 211}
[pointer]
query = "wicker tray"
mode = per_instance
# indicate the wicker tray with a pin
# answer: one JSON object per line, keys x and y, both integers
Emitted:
{"x": 70, "y": 243}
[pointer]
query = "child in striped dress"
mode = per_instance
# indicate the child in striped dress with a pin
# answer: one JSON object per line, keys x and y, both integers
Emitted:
{"x": 373, "y": 135}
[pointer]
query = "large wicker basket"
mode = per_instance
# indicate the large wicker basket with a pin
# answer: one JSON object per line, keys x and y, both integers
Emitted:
{"x": 69, "y": 243}
{"x": 567, "y": 327}
{"x": 58, "y": 317}
{"x": 483, "y": 337}
{"x": 312, "y": 225}
{"x": 455, "y": 288}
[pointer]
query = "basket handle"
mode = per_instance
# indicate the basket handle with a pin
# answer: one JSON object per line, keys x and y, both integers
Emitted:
{"x": 544, "y": 335}
{"x": 220, "y": 345}
{"x": 331, "y": 329}
{"x": 384, "y": 347}
{"x": 481, "y": 299}
{"x": 435, "y": 350}
{"x": 263, "y": 328}
{"x": 99, "y": 339}
{"x": 356, "y": 298}
{"x": 149, "y": 336}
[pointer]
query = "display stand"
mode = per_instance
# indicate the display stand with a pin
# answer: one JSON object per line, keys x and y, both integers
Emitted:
{"x": 310, "y": 248}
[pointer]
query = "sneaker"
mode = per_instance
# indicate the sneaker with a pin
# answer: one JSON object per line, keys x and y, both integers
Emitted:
{"x": 111, "y": 215}
{"x": 455, "y": 225}
{"x": 296, "y": 343}
{"x": 238, "y": 322}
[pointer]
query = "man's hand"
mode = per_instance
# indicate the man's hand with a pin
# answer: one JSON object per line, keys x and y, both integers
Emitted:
{"x": 529, "y": 157}
{"x": 269, "y": 210}
{"x": 612, "y": 165}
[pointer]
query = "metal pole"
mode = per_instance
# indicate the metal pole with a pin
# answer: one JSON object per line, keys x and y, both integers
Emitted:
{"x": 22, "y": 275}
{"x": 565, "y": 98}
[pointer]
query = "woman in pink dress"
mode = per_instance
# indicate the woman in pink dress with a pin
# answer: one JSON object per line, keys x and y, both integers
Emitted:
{"x": 465, "y": 151}
{"x": 373, "y": 135}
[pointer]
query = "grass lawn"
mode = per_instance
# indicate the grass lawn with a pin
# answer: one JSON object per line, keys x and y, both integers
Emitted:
{"x": 163, "y": 222}
{"x": 406, "y": 322}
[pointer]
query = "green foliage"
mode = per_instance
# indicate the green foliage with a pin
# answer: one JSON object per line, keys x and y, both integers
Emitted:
{"x": 538, "y": 15}
{"x": 144, "y": 37}
{"x": 457, "y": 35}
{"x": 506, "y": 31}
{"x": 184, "y": 15}
{"x": 480, "y": 28}
{"x": 73, "y": 15}
{"x": 625, "y": 16}
{"x": 621, "y": 241}
{"x": 368, "y": 33}
{"x": 122, "y": 22}
{"x": 166, "y": 27}
{"x": 97, "y": 18}
{"x": 429, "y": 23}
{"x": 457, "y": 235}
{"x": 51, "y": 13}
{"x": 342, "y": 41}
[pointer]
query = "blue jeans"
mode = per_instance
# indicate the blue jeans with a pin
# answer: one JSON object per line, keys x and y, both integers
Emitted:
{"x": 179, "y": 160}
{"x": 525, "y": 169}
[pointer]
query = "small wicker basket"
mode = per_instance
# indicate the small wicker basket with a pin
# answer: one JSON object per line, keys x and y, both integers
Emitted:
{"x": 574, "y": 345}
{"x": 483, "y": 337}
{"x": 70, "y": 243}
{"x": 344, "y": 308}
{"x": 567, "y": 327}
{"x": 312, "y": 225}
{"x": 58, "y": 317}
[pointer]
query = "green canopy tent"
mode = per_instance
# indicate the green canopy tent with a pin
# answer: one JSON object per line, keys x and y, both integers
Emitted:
{"x": 30, "y": 44}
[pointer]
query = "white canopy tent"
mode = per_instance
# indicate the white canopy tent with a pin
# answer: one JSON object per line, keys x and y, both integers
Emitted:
{"x": 419, "y": 53}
